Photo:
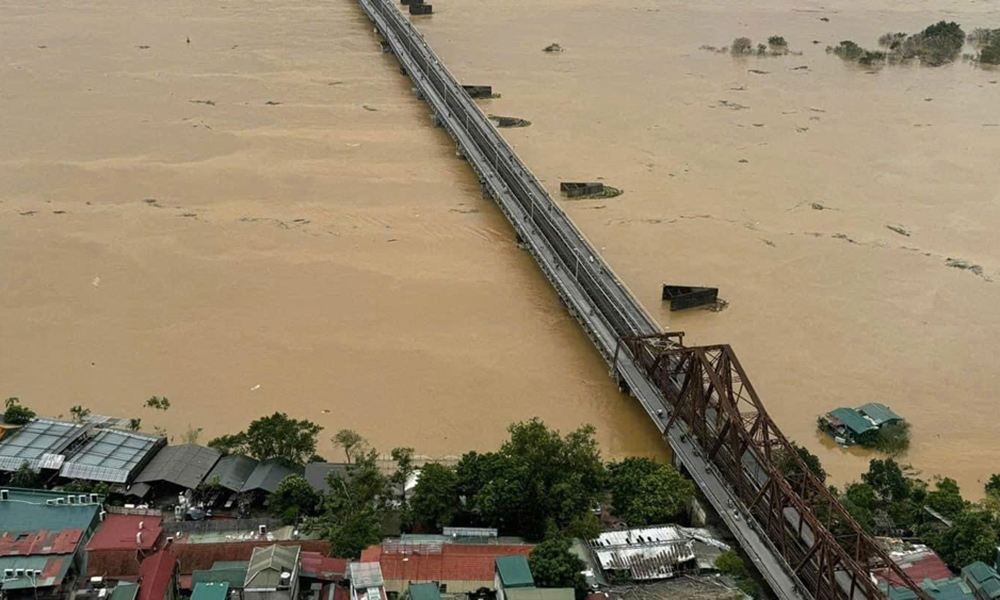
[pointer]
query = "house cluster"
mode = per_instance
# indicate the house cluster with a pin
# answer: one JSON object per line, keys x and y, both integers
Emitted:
{"x": 850, "y": 426}
{"x": 138, "y": 466}
{"x": 977, "y": 581}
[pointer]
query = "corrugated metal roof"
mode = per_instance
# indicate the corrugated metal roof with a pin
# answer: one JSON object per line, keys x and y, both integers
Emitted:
{"x": 436, "y": 562}
{"x": 267, "y": 565}
{"x": 650, "y": 553}
{"x": 41, "y": 443}
{"x": 210, "y": 591}
{"x": 232, "y": 575}
{"x": 185, "y": 466}
{"x": 118, "y": 532}
{"x": 45, "y": 571}
{"x": 317, "y": 472}
{"x": 155, "y": 574}
{"x": 514, "y": 571}
{"x": 111, "y": 456}
{"x": 266, "y": 476}
{"x": 125, "y": 591}
{"x": 879, "y": 413}
{"x": 541, "y": 594}
{"x": 424, "y": 591}
{"x": 852, "y": 419}
{"x": 232, "y": 472}
{"x": 27, "y": 519}
{"x": 365, "y": 575}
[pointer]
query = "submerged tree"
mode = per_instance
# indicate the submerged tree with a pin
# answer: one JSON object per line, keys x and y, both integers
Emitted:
{"x": 16, "y": 413}
{"x": 350, "y": 441}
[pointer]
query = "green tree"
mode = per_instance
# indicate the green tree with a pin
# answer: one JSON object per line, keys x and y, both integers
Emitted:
{"x": 644, "y": 491}
{"x": 971, "y": 537}
{"x": 887, "y": 479}
{"x": 352, "y": 513}
{"x": 293, "y": 498}
{"x": 946, "y": 498}
{"x": 790, "y": 466}
{"x": 586, "y": 526}
{"x": 79, "y": 413}
{"x": 280, "y": 437}
{"x": 730, "y": 563}
{"x": 350, "y": 441}
{"x": 25, "y": 477}
{"x": 16, "y": 413}
{"x": 158, "y": 403}
{"x": 134, "y": 424}
{"x": 83, "y": 486}
{"x": 435, "y": 499}
{"x": 554, "y": 566}
{"x": 992, "y": 487}
{"x": 537, "y": 476}
{"x": 404, "y": 468}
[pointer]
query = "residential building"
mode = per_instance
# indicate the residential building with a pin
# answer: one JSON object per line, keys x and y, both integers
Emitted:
{"x": 273, "y": 574}
{"x": 983, "y": 580}
{"x": 120, "y": 544}
{"x": 659, "y": 552}
{"x": 879, "y": 414}
{"x": 511, "y": 572}
{"x": 456, "y": 568}
{"x": 42, "y": 537}
{"x": 211, "y": 591}
{"x": 850, "y": 426}
{"x": 367, "y": 582}
{"x": 158, "y": 577}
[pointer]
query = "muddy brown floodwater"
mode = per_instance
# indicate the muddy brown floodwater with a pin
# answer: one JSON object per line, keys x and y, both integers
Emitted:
{"x": 269, "y": 205}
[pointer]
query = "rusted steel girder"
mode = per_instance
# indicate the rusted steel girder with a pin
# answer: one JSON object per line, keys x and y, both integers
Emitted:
{"x": 711, "y": 394}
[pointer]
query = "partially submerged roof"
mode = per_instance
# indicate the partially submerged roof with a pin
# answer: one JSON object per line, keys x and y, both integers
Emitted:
{"x": 266, "y": 476}
{"x": 42, "y": 443}
{"x": 514, "y": 571}
{"x": 424, "y": 591}
{"x": 852, "y": 419}
{"x": 185, "y": 466}
{"x": 269, "y": 564}
{"x": 231, "y": 472}
{"x": 210, "y": 591}
{"x": 879, "y": 413}
{"x": 317, "y": 472}
{"x": 541, "y": 594}
{"x": 112, "y": 456}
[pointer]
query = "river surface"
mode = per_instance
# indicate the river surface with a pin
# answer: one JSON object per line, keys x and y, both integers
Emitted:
{"x": 243, "y": 207}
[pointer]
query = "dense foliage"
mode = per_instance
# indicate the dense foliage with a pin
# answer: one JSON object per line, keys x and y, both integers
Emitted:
{"x": 16, "y": 413}
{"x": 294, "y": 498}
{"x": 554, "y": 566}
{"x": 352, "y": 512}
{"x": 435, "y": 500}
{"x": 280, "y": 437}
{"x": 645, "y": 492}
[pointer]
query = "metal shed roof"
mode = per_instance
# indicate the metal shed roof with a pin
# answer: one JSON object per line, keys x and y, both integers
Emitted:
{"x": 365, "y": 575}
{"x": 879, "y": 413}
{"x": 514, "y": 571}
{"x": 125, "y": 590}
{"x": 852, "y": 419}
{"x": 268, "y": 564}
{"x": 210, "y": 591}
{"x": 41, "y": 443}
{"x": 649, "y": 553}
{"x": 266, "y": 476}
{"x": 424, "y": 591}
{"x": 317, "y": 473}
{"x": 232, "y": 472}
{"x": 185, "y": 466}
{"x": 112, "y": 456}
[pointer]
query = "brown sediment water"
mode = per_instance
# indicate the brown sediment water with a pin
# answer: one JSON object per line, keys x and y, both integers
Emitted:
{"x": 823, "y": 199}
{"x": 264, "y": 219}
{"x": 270, "y": 206}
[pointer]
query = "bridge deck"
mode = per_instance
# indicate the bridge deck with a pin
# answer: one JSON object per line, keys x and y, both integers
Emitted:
{"x": 589, "y": 288}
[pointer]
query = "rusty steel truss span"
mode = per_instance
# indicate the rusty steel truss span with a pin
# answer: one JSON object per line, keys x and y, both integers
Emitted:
{"x": 710, "y": 393}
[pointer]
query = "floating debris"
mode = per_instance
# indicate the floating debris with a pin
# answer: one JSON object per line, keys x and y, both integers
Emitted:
{"x": 898, "y": 229}
{"x": 552, "y": 48}
{"x": 508, "y": 121}
{"x": 207, "y": 102}
{"x": 958, "y": 263}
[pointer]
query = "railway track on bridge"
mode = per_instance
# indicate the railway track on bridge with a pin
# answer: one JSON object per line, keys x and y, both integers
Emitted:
{"x": 699, "y": 398}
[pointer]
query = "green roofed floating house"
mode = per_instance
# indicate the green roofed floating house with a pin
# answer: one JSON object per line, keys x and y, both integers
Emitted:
{"x": 863, "y": 426}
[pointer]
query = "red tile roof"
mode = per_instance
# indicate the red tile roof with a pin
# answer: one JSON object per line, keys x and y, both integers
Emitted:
{"x": 118, "y": 532}
{"x": 452, "y": 562}
{"x": 63, "y": 541}
{"x": 317, "y": 566}
{"x": 155, "y": 574}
